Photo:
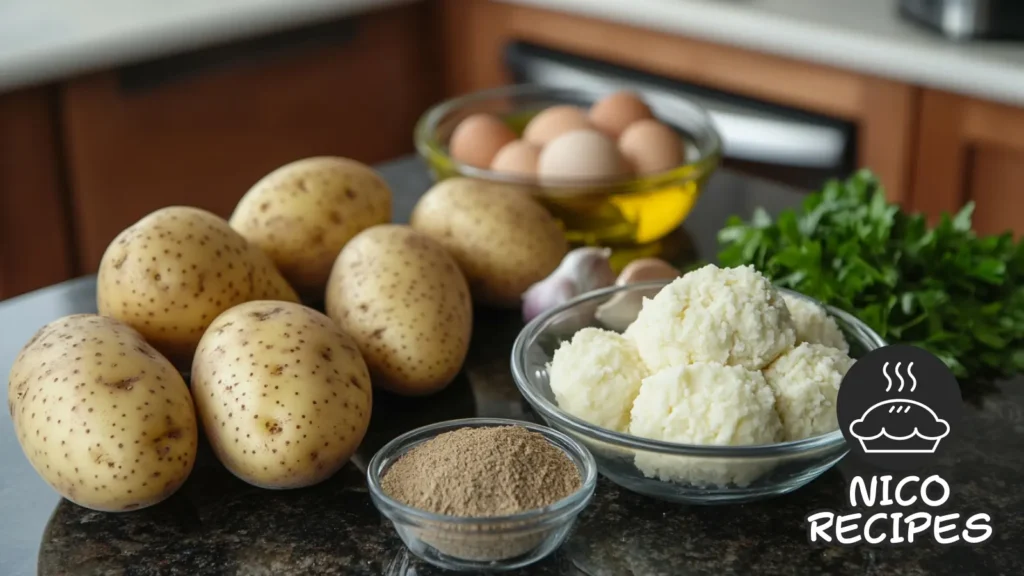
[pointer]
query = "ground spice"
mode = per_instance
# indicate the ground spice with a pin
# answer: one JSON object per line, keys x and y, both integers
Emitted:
{"x": 480, "y": 472}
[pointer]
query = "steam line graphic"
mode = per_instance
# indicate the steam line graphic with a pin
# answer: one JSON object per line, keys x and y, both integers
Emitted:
{"x": 899, "y": 425}
{"x": 896, "y": 370}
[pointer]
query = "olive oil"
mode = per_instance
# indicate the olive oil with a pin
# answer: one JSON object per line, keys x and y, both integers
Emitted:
{"x": 631, "y": 215}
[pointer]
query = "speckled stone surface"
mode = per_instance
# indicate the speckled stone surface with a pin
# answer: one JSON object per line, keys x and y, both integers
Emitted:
{"x": 218, "y": 525}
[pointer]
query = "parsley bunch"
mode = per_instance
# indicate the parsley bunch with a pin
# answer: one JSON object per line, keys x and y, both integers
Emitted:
{"x": 942, "y": 288}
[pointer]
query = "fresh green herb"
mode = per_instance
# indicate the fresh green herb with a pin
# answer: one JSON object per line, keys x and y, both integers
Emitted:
{"x": 942, "y": 288}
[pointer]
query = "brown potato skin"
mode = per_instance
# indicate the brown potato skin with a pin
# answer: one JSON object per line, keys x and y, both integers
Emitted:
{"x": 405, "y": 302}
{"x": 104, "y": 418}
{"x": 283, "y": 394}
{"x": 503, "y": 240}
{"x": 302, "y": 214}
{"x": 172, "y": 272}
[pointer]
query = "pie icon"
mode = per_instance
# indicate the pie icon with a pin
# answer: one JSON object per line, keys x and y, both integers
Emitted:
{"x": 899, "y": 407}
{"x": 899, "y": 426}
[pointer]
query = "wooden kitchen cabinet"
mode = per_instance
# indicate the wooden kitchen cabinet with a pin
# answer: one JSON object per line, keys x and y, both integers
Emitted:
{"x": 83, "y": 159}
{"x": 475, "y": 32}
{"x": 200, "y": 129}
{"x": 34, "y": 224}
{"x": 970, "y": 149}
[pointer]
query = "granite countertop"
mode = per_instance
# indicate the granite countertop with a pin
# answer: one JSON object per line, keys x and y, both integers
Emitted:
{"x": 218, "y": 525}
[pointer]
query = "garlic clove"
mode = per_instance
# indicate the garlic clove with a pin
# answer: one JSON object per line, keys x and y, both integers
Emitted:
{"x": 619, "y": 312}
{"x": 646, "y": 270}
{"x": 590, "y": 268}
{"x": 622, "y": 309}
{"x": 547, "y": 294}
{"x": 581, "y": 270}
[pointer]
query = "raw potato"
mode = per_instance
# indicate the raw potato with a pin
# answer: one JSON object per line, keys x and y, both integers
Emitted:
{"x": 104, "y": 418}
{"x": 401, "y": 296}
{"x": 283, "y": 394}
{"x": 171, "y": 273}
{"x": 302, "y": 214}
{"x": 503, "y": 240}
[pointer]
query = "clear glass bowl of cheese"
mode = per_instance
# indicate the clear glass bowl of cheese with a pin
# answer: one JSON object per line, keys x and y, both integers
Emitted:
{"x": 696, "y": 474}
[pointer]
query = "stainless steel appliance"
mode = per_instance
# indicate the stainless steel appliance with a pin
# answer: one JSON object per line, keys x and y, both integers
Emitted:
{"x": 969, "y": 19}
{"x": 783, "y": 144}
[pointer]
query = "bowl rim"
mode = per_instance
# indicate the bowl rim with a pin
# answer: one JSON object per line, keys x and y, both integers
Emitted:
{"x": 551, "y": 412}
{"x": 567, "y": 507}
{"x": 427, "y": 144}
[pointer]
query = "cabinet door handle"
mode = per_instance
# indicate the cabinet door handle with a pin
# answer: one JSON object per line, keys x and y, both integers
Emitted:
{"x": 168, "y": 70}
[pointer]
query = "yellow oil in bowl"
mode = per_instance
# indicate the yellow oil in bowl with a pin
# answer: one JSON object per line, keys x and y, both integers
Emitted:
{"x": 635, "y": 213}
{"x": 632, "y": 215}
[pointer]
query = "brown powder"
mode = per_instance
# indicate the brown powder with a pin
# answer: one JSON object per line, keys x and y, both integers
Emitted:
{"x": 479, "y": 472}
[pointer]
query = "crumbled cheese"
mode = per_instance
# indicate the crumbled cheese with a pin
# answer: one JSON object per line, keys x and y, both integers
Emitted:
{"x": 731, "y": 316}
{"x": 814, "y": 325}
{"x": 805, "y": 382}
{"x": 704, "y": 404}
{"x": 596, "y": 376}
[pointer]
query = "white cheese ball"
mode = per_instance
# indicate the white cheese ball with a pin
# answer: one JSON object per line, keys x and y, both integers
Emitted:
{"x": 707, "y": 404}
{"x": 595, "y": 376}
{"x": 731, "y": 316}
{"x": 806, "y": 381}
{"x": 704, "y": 404}
{"x": 814, "y": 325}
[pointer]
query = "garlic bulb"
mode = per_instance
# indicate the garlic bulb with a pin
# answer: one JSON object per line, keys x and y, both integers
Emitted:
{"x": 581, "y": 270}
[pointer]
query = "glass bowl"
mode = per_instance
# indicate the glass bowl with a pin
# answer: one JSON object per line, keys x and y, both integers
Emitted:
{"x": 697, "y": 474}
{"x": 628, "y": 212}
{"x": 482, "y": 544}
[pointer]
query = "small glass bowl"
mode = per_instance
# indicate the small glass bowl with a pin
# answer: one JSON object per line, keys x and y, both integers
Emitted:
{"x": 693, "y": 474}
{"x": 482, "y": 544}
{"x": 629, "y": 212}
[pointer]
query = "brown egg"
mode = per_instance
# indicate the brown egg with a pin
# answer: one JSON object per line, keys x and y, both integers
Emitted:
{"x": 650, "y": 146}
{"x": 615, "y": 112}
{"x": 477, "y": 139}
{"x": 553, "y": 122}
{"x": 517, "y": 157}
{"x": 581, "y": 154}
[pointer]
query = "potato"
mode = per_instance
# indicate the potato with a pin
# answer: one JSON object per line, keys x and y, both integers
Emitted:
{"x": 283, "y": 394}
{"x": 401, "y": 296}
{"x": 303, "y": 213}
{"x": 104, "y": 418}
{"x": 171, "y": 273}
{"x": 503, "y": 240}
